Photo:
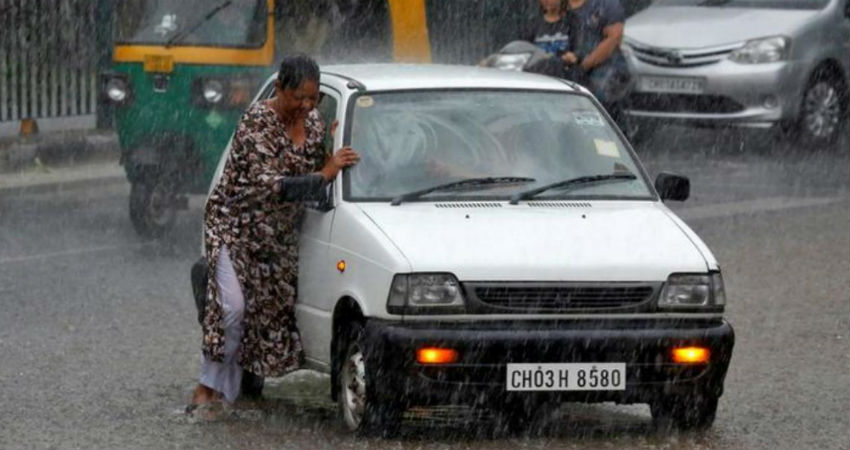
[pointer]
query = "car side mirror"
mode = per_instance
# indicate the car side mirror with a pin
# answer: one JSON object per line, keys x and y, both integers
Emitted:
{"x": 673, "y": 187}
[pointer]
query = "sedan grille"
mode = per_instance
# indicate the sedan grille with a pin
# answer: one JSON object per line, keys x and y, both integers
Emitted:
{"x": 535, "y": 297}
{"x": 672, "y": 57}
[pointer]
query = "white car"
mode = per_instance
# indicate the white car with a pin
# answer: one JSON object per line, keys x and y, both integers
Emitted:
{"x": 499, "y": 245}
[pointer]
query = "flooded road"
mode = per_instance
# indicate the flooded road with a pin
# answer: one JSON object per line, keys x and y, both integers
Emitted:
{"x": 100, "y": 346}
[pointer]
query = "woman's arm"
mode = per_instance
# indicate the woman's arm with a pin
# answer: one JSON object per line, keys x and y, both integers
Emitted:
{"x": 260, "y": 171}
{"x": 311, "y": 186}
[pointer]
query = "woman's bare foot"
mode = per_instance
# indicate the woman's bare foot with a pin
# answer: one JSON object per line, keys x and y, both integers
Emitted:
{"x": 201, "y": 396}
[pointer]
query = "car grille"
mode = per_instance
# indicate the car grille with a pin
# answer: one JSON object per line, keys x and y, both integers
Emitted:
{"x": 536, "y": 297}
{"x": 671, "y": 57}
{"x": 683, "y": 103}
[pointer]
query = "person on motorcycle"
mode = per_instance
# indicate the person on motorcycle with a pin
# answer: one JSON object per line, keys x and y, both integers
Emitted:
{"x": 554, "y": 31}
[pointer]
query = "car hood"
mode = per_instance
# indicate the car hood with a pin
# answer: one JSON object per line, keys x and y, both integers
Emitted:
{"x": 696, "y": 27}
{"x": 600, "y": 241}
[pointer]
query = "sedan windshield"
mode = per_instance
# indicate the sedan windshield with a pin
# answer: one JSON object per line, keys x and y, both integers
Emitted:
{"x": 235, "y": 23}
{"x": 411, "y": 141}
{"x": 769, "y": 4}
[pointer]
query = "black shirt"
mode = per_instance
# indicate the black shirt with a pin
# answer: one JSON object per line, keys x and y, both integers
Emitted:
{"x": 555, "y": 38}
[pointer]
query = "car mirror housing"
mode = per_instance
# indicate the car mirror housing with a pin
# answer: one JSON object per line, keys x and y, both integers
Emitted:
{"x": 672, "y": 187}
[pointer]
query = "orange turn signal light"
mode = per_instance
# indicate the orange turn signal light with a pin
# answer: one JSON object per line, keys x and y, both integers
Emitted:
{"x": 435, "y": 355}
{"x": 691, "y": 355}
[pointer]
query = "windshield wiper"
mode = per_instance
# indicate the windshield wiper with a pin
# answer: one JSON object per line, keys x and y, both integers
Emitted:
{"x": 185, "y": 32}
{"x": 467, "y": 183}
{"x": 589, "y": 179}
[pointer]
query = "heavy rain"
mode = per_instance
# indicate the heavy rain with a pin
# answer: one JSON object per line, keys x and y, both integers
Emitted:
{"x": 561, "y": 224}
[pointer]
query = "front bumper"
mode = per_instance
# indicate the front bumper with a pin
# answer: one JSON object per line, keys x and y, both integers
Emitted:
{"x": 485, "y": 348}
{"x": 743, "y": 95}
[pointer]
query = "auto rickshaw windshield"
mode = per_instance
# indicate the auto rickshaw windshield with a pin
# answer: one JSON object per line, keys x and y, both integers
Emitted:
{"x": 234, "y": 23}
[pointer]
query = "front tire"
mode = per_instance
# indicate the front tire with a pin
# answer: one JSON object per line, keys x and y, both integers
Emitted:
{"x": 153, "y": 209}
{"x": 361, "y": 409}
{"x": 824, "y": 110}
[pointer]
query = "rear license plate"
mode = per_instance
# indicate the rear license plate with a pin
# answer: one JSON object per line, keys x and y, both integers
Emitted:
{"x": 159, "y": 63}
{"x": 566, "y": 377}
{"x": 675, "y": 85}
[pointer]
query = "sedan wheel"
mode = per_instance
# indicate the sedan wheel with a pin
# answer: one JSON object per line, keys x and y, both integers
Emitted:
{"x": 821, "y": 114}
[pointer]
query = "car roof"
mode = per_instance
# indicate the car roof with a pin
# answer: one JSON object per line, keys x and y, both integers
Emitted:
{"x": 391, "y": 77}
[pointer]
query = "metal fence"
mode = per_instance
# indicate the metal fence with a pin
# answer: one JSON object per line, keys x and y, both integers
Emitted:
{"x": 48, "y": 59}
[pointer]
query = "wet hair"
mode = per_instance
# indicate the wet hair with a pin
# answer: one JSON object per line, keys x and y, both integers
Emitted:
{"x": 297, "y": 69}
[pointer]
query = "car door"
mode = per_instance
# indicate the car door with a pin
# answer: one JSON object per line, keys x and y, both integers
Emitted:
{"x": 315, "y": 267}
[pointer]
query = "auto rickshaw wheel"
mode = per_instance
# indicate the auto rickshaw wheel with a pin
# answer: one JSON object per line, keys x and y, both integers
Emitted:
{"x": 153, "y": 207}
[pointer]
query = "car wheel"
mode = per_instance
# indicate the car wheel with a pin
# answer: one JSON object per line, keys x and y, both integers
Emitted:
{"x": 695, "y": 412}
{"x": 153, "y": 208}
{"x": 823, "y": 110}
{"x": 358, "y": 394}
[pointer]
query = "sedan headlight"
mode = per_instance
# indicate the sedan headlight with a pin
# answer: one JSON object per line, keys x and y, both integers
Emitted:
{"x": 213, "y": 91}
{"x": 693, "y": 291}
{"x": 760, "y": 51}
{"x": 425, "y": 293}
{"x": 514, "y": 62}
{"x": 116, "y": 90}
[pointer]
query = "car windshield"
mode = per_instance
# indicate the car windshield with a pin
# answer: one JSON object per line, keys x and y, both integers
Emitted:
{"x": 238, "y": 23}
{"x": 416, "y": 140}
{"x": 768, "y": 4}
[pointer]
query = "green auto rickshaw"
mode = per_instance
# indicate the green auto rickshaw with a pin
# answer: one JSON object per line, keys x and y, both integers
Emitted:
{"x": 184, "y": 71}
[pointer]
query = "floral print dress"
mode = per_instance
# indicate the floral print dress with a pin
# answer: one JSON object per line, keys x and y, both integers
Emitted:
{"x": 245, "y": 212}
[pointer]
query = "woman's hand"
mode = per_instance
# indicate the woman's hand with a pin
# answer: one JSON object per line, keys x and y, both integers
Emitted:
{"x": 344, "y": 157}
{"x": 569, "y": 58}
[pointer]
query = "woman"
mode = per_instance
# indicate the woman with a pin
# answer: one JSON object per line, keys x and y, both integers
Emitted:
{"x": 251, "y": 239}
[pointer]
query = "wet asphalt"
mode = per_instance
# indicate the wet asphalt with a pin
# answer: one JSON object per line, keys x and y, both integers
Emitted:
{"x": 99, "y": 344}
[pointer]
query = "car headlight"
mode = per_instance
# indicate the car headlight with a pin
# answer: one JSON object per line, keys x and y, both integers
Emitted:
{"x": 426, "y": 293}
{"x": 514, "y": 62}
{"x": 694, "y": 291}
{"x": 116, "y": 90}
{"x": 760, "y": 51}
{"x": 213, "y": 91}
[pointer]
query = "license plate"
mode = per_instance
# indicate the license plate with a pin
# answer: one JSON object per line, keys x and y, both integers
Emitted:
{"x": 676, "y": 85}
{"x": 566, "y": 377}
{"x": 159, "y": 63}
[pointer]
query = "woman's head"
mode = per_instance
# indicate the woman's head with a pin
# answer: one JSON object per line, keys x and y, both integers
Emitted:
{"x": 297, "y": 86}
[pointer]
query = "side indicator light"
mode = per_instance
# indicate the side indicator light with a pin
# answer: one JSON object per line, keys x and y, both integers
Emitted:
{"x": 434, "y": 355}
{"x": 340, "y": 266}
{"x": 691, "y": 355}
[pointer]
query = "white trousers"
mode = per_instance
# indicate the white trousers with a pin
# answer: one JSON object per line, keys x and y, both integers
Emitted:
{"x": 226, "y": 377}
